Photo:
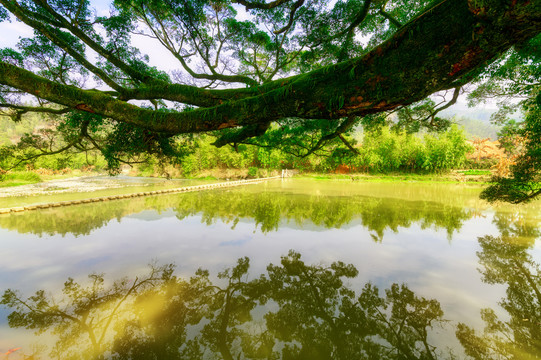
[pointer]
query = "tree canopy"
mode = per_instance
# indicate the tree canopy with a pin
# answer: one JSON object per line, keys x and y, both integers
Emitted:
{"x": 285, "y": 72}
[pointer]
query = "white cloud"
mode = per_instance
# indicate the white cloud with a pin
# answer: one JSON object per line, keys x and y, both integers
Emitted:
{"x": 12, "y": 32}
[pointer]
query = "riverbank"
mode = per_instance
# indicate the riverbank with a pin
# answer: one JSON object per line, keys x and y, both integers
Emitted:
{"x": 456, "y": 176}
{"x": 477, "y": 176}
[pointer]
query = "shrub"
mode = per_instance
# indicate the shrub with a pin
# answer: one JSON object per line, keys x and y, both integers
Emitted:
{"x": 252, "y": 171}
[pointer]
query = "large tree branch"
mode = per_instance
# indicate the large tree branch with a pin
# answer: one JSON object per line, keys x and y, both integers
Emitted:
{"x": 348, "y": 144}
{"x": 260, "y": 5}
{"x": 343, "y": 127}
{"x": 426, "y": 55}
{"x": 389, "y": 17}
{"x": 451, "y": 102}
{"x": 350, "y": 30}
{"x": 296, "y": 6}
{"x": 358, "y": 20}
{"x": 25, "y": 109}
{"x": 238, "y": 136}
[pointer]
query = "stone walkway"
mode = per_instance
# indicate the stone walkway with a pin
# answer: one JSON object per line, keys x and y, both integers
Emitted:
{"x": 126, "y": 196}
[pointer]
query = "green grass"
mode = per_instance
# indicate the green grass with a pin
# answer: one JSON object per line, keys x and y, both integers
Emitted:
{"x": 447, "y": 178}
{"x": 17, "y": 178}
{"x": 326, "y": 176}
{"x": 476, "y": 172}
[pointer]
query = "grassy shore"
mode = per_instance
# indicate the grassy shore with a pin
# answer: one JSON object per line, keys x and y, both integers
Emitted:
{"x": 18, "y": 178}
{"x": 457, "y": 176}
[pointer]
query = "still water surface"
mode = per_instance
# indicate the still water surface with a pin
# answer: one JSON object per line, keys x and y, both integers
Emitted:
{"x": 359, "y": 271}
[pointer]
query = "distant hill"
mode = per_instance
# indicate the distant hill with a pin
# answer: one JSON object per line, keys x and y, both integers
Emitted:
{"x": 476, "y": 119}
{"x": 461, "y": 110}
{"x": 480, "y": 112}
{"x": 476, "y": 128}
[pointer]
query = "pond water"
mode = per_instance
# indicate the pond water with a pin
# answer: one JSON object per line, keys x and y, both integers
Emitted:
{"x": 359, "y": 270}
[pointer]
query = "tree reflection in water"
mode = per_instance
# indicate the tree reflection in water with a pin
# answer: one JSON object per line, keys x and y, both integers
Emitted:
{"x": 267, "y": 210}
{"x": 294, "y": 311}
{"x": 506, "y": 260}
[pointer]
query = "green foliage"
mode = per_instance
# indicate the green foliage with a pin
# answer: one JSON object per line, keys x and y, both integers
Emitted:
{"x": 203, "y": 155}
{"x": 384, "y": 150}
{"x": 51, "y": 63}
{"x": 6, "y": 153}
{"x": 11, "y": 56}
{"x": 10, "y": 155}
{"x": 446, "y": 151}
{"x": 524, "y": 183}
{"x": 252, "y": 171}
{"x": 22, "y": 143}
{"x": 508, "y": 136}
{"x": 4, "y": 15}
{"x": 419, "y": 116}
{"x": 11, "y": 131}
{"x": 381, "y": 150}
{"x": 517, "y": 76}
